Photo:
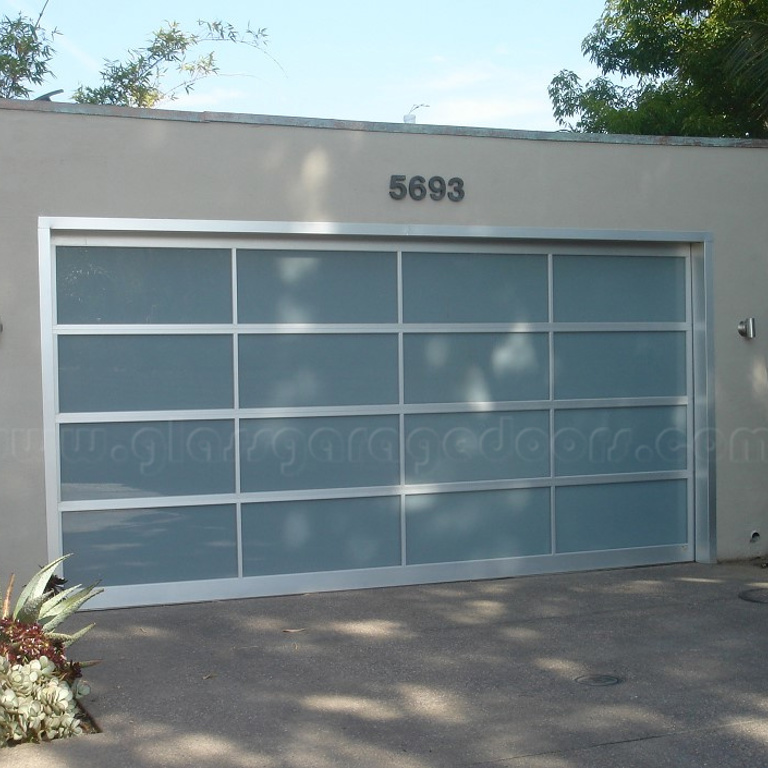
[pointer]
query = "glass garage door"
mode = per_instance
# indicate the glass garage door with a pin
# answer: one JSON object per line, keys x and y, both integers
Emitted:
{"x": 254, "y": 420}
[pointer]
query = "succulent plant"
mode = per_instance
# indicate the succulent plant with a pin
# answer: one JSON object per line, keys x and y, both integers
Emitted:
{"x": 38, "y": 684}
{"x": 21, "y": 643}
{"x": 49, "y": 607}
{"x": 35, "y": 704}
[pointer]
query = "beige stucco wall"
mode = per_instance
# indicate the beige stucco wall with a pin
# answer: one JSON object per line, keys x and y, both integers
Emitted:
{"x": 58, "y": 160}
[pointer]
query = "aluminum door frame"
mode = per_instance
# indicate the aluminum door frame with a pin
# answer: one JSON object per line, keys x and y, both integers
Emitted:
{"x": 55, "y": 230}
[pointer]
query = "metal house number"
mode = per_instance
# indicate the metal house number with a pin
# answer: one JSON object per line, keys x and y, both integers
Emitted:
{"x": 417, "y": 188}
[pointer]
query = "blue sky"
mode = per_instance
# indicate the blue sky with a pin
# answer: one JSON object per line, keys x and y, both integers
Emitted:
{"x": 482, "y": 63}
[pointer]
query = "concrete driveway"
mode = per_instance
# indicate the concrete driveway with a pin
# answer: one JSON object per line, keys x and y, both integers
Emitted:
{"x": 475, "y": 674}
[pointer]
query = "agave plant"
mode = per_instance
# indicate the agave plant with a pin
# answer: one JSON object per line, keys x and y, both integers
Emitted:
{"x": 27, "y": 632}
{"x": 48, "y": 607}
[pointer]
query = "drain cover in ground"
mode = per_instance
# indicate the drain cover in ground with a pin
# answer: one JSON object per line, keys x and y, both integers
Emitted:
{"x": 755, "y": 595}
{"x": 598, "y": 680}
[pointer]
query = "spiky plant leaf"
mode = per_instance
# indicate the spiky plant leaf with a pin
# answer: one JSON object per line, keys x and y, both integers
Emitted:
{"x": 7, "y": 600}
{"x": 70, "y": 605}
{"x": 67, "y": 640}
{"x": 89, "y": 663}
{"x": 54, "y": 604}
{"x": 37, "y": 583}
{"x": 29, "y": 613}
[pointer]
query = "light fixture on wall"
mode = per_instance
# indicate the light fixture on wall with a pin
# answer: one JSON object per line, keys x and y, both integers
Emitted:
{"x": 746, "y": 328}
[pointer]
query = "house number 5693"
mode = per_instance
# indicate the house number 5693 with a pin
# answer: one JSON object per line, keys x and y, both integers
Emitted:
{"x": 417, "y": 188}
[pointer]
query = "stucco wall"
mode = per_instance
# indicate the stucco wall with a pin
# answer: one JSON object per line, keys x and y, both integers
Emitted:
{"x": 58, "y": 160}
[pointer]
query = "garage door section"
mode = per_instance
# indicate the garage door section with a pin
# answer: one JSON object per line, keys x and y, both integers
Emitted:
{"x": 254, "y": 420}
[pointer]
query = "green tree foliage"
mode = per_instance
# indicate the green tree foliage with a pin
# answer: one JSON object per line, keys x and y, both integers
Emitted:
{"x": 25, "y": 52}
{"x": 749, "y": 61}
{"x": 140, "y": 80}
{"x": 686, "y": 68}
{"x": 156, "y": 72}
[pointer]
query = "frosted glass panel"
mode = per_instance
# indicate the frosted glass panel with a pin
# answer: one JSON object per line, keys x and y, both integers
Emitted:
{"x": 631, "y": 364}
{"x": 474, "y": 288}
{"x": 449, "y": 527}
{"x": 326, "y": 535}
{"x": 475, "y": 367}
{"x": 619, "y": 289}
{"x": 607, "y": 440}
{"x": 143, "y": 285}
{"x": 134, "y": 373}
{"x": 592, "y": 517}
{"x": 451, "y": 447}
{"x": 145, "y": 546}
{"x": 327, "y": 452}
{"x": 318, "y": 369}
{"x": 316, "y": 287}
{"x": 158, "y": 458}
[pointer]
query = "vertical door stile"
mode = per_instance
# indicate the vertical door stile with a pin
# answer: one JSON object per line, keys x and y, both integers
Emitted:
{"x": 689, "y": 402}
{"x": 401, "y": 404}
{"x": 50, "y": 352}
{"x": 236, "y": 404}
{"x": 551, "y": 349}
